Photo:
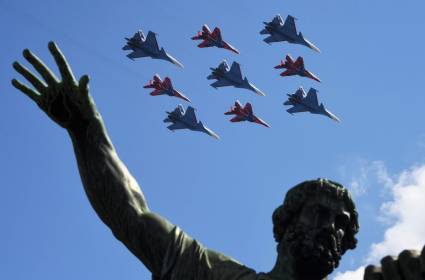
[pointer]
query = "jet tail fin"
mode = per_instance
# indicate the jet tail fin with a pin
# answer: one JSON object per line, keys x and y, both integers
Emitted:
{"x": 151, "y": 40}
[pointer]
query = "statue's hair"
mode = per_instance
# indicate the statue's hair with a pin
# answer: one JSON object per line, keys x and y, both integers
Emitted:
{"x": 298, "y": 195}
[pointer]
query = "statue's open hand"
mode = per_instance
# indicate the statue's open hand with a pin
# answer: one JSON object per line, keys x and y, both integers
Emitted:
{"x": 409, "y": 265}
{"x": 66, "y": 102}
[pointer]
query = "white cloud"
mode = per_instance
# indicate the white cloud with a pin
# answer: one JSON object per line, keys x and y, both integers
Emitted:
{"x": 364, "y": 173}
{"x": 351, "y": 275}
{"x": 407, "y": 225}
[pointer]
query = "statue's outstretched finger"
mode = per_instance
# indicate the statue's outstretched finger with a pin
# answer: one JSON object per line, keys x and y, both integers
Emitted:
{"x": 37, "y": 84}
{"x": 83, "y": 84}
{"x": 41, "y": 68}
{"x": 29, "y": 92}
{"x": 64, "y": 69}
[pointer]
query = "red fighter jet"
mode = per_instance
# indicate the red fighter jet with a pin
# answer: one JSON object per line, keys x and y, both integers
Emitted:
{"x": 244, "y": 114}
{"x": 212, "y": 39}
{"x": 164, "y": 87}
{"x": 295, "y": 68}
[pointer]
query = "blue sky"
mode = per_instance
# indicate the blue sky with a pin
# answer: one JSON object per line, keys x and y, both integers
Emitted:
{"x": 220, "y": 192}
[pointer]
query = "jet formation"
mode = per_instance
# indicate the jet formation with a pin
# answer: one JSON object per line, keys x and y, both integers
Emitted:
{"x": 147, "y": 47}
{"x": 295, "y": 68}
{"x": 277, "y": 31}
{"x": 212, "y": 39}
{"x": 244, "y": 114}
{"x": 182, "y": 119}
{"x": 309, "y": 102}
{"x": 231, "y": 77}
{"x": 280, "y": 32}
{"x": 164, "y": 88}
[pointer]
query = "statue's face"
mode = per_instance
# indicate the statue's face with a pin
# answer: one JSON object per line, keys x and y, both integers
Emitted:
{"x": 315, "y": 238}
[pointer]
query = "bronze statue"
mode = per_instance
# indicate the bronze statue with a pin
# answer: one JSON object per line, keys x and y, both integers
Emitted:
{"x": 315, "y": 225}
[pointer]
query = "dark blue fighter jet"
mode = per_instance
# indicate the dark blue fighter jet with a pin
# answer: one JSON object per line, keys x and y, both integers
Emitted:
{"x": 182, "y": 119}
{"x": 147, "y": 47}
{"x": 287, "y": 31}
{"x": 303, "y": 102}
{"x": 232, "y": 76}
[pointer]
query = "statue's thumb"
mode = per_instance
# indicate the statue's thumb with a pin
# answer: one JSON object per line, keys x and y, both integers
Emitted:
{"x": 83, "y": 84}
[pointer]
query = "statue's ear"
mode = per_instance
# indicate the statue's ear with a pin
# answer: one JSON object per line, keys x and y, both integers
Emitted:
{"x": 279, "y": 223}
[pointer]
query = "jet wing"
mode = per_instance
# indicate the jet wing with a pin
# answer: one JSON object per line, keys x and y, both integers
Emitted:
{"x": 190, "y": 116}
{"x": 248, "y": 108}
{"x": 288, "y": 72}
{"x": 205, "y": 44}
{"x": 176, "y": 125}
{"x": 151, "y": 41}
{"x": 311, "y": 98}
{"x": 137, "y": 54}
{"x": 299, "y": 62}
{"x": 167, "y": 83}
{"x": 290, "y": 24}
{"x": 237, "y": 119}
{"x": 271, "y": 39}
{"x": 216, "y": 34}
{"x": 297, "y": 109}
{"x": 235, "y": 70}
{"x": 157, "y": 92}
{"x": 221, "y": 83}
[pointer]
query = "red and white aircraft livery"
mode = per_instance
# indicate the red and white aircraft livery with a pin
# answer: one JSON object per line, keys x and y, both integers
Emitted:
{"x": 164, "y": 87}
{"x": 295, "y": 68}
{"x": 244, "y": 114}
{"x": 212, "y": 39}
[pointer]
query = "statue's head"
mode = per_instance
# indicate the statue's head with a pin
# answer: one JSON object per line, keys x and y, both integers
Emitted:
{"x": 314, "y": 227}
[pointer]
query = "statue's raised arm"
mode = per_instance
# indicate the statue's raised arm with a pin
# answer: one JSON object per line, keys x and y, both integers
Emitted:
{"x": 313, "y": 228}
{"x": 111, "y": 189}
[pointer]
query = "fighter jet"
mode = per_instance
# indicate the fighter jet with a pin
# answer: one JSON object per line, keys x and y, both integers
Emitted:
{"x": 164, "y": 87}
{"x": 295, "y": 68}
{"x": 232, "y": 77}
{"x": 144, "y": 47}
{"x": 303, "y": 102}
{"x": 182, "y": 119}
{"x": 287, "y": 31}
{"x": 212, "y": 39}
{"x": 244, "y": 114}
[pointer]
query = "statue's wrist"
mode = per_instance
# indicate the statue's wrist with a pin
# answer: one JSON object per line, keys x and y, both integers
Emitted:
{"x": 87, "y": 131}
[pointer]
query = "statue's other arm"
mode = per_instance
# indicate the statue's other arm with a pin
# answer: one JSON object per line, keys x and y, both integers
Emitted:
{"x": 409, "y": 265}
{"x": 112, "y": 191}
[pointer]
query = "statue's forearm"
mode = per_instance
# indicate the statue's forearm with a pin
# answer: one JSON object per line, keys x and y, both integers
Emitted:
{"x": 112, "y": 191}
{"x": 117, "y": 198}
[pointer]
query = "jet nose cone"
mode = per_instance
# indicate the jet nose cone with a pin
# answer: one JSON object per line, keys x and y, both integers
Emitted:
{"x": 312, "y": 76}
{"x": 260, "y": 121}
{"x": 313, "y": 47}
{"x": 332, "y": 116}
{"x": 173, "y": 61}
{"x": 229, "y": 47}
{"x": 211, "y": 133}
{"x": 335, "y": 118}
{"x": 235, "y": 51}
{"x": 181, "y": 95}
